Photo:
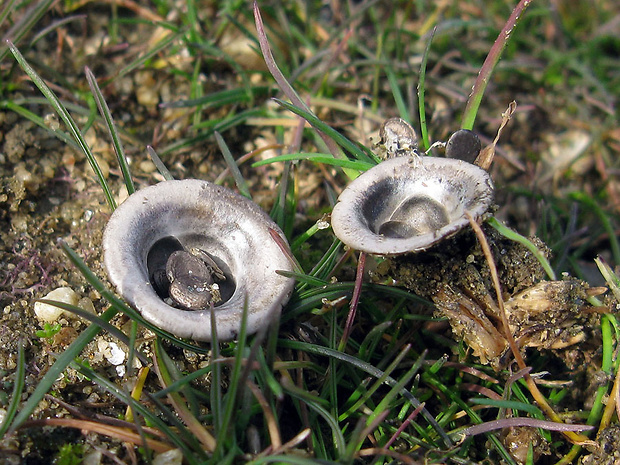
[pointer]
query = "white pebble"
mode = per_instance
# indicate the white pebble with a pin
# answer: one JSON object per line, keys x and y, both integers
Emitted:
{"x": 49, "y": 313}
{"x": 171, "y": 457}
{"x": 111, "y": 351}
{"x": 92, "y": 458}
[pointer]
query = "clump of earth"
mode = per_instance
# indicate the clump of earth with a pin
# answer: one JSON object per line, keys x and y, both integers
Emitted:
{"x": 456, "y": 276}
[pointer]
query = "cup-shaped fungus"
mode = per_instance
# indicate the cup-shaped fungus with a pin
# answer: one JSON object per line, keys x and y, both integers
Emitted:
{"x": 180, "y": 249}
{"x": 407, "y": 204}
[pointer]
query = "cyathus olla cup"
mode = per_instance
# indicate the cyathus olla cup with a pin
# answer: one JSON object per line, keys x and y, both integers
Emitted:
{"x": 179, "y": 250}
{"x": 409, "y": 203}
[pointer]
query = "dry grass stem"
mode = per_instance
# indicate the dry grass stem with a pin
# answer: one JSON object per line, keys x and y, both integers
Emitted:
{"x": 572, "y": 436}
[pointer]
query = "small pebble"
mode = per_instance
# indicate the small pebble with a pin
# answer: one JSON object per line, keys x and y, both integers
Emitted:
{"x": 111, "y": 351}
{"x": 171, "y": 457}
{"x": 49, "y": 313}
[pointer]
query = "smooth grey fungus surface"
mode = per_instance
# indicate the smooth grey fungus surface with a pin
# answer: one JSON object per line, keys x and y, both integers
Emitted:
{"x": 229, "y": 233}
{"x": 401, "y": 206}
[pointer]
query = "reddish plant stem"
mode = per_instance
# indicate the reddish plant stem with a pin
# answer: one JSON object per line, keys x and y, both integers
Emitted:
{"x": 477, "y": 91}
{"x": 357, "y": 292}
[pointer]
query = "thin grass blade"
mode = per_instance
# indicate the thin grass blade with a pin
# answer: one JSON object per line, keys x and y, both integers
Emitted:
{"x": 232, "y": 166}
{"x": 161, "y": 45}
{"x": 217, "y": 406}
{"x": 104, "y": 110}
{"x": 63, "y": 136}
{"x": 25, "y": 24}
{"x": 377, "y": 384}
{"x": 61, "y": 363}
{"x": 422, "y": 92}
{"x": 473, "y": 103}
{"x": 515, "y": 236}
{"x": 162, "y": 361}
{"x": 324, "y": 158}
{"x": 234, "y": 389}
{"x": 159, "y": 164}
{"x": 18, "y": 388}
{"x": 68, "y": 120}
{"x": 314, "y": 404}
{"x": 4, "y": 14}
{"x": 358, "y": 151}
{"x": 509, "y": 404}
{"x": 397, "y": 94}
{"x": 371, "y": 370}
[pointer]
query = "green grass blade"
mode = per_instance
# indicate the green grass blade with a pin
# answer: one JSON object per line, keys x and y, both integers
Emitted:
{"x": 183, "y": 381}
{"x": 57, "y": 25}
{"x": 396, "y": 388}
{"x": 61, "y": 363}
{"x": 109, "y": 122}
{"x": 217, "y": 407}
{"x": 605, "y": 221}
{"x": 209, "y": 128}
{"x": 473, "y": 103}
{"x": 323, "y": 158}
{"x": 358, "y": 151}
{"x": 4, "y": 14}
{"x": 20, "y": 110}
{"x": 304, "y": 278}
{"x": 611, "y": 279}
{"x": 285, "y": 459}
{"x": 161, "y": 45}
{"x": 221, "y": 98}
{"x": 232, "y": 166}
{"x": 233, "y": 394}
{"x": 397, "y": 94}
{"x": 285, "y": 204}
{"x": 425, "y": 142}
{"x": 159, "y": 164}
{"x": 435, "y": 382}
{"x": 606, "y": 367}
{"x": 376, "y": 385}
{"x": 68, "y": 120}
{"x": 314, "y": 403}
{"x": 25, "y": 24}
{"x": 320, "y": 225}
{"x": 324, "y": 267}
{"x": 18, "y": 388}
{"x": 510, "y": 404}
{"x": 371, "y": 370}
{"x": 515, "y": 236}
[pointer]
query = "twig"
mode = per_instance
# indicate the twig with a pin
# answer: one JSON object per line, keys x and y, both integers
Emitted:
{"x": 572, "y": 436}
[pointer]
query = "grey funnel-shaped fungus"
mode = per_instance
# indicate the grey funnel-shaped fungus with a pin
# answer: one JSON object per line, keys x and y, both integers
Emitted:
{"x": 228, "y": 257}
{"x": 407, "y": 204}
